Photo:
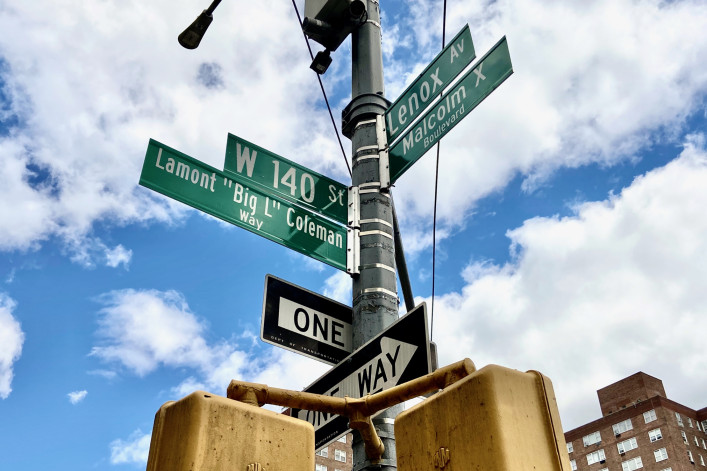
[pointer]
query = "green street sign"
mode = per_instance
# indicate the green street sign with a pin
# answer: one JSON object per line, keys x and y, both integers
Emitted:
{"x": 429, "y": 84}
{"x": 235, "y": 200}
{"x": 285, "y": 178}
{"x": 477, "y": 84}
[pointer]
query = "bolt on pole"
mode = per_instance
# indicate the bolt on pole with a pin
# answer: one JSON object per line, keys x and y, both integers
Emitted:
{"x": 375, "y": 299}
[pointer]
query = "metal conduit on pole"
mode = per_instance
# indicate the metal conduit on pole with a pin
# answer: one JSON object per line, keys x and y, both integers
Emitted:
{"x": 375, "y": 299}
{"x": 401, "y": 264}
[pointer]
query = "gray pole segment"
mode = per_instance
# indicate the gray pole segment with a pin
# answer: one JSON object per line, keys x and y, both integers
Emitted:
{"x": 402, "y": 265}
{"x": 375, "y": 301}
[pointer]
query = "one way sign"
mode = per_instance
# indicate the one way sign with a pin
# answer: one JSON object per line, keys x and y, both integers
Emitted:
{"x": 400, "y": 353}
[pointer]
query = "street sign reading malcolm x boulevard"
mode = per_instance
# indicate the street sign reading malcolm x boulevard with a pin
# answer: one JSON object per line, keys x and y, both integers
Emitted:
{"x": 399, "y": 354}
{"x": 477, "y": 84}
{"x": 305, "y": 322}
{"x": 429, "y": 84}
{"x": 228, "y": 197}
{"x": 287, "y": 179}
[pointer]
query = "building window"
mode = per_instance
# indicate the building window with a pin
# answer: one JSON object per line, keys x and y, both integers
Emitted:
{"x": 702, "y": 460}
{"x": 574, "y": 465}
{"x": 342, "y": 439}
{"x": 632, "y": 464}
{"x": 689, "y": 422}
{"x": 655, "y": 435}
{"x": 703, "y": 443}
{"x": 591, "y": 439}
{"x": 660, "y": 454}
{"x": 689, "y": 455}
{"x": 596, "y": 457}
{"x": 319, "y": 467}
{"x": 324, "y": 452}
{"x": 679, "y": 419}
{"x": 649, "y": 416}
{"x": 684, "y": 437}
{"x": 627, "y": 445}
{"x": 697, "y": 424}
{"x": 697, "y": 443}
{"x": 667, "y": 469}
{"x": 340, "y": 455}
{"x": 570, "y": 448}
{"x": 621, "y": 427}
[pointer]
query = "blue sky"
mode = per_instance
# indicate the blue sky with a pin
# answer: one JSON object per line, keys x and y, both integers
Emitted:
{"x": 571, "y": 239}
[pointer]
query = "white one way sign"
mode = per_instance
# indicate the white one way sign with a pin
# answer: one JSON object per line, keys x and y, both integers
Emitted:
{"x": 305, "y": 322}
{"x": 397, "y": 355}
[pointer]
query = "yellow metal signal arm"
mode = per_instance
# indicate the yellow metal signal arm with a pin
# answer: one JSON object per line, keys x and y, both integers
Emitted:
{"x": 359, "y": 411}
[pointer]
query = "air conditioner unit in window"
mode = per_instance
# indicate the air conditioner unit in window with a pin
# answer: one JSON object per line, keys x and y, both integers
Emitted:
{"x": 617, "y": 434}
{"x": 602, "y": 461}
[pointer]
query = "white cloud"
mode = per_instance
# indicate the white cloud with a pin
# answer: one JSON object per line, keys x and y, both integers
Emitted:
{"x": 145, "y": 330}
{"x": 589, "y": 299}
{"x": 77, "y": 396}
{"x": 134, "y": 450}
{"x": 90, "y": 87}
{"x": 11, "y": 339}
{"x": 107, "y": 374}
{"x": 594, "y": 82}
{"x": 338, "y": 287}
{"x": 118, "y": 255}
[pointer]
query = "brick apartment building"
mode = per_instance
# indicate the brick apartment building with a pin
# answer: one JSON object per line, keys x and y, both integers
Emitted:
{"x": 337, "y": 456}
{"x": 640, "y": 429}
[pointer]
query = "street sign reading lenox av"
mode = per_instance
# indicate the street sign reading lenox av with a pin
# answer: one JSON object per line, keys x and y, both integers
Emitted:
{"x": 429, "y": 84}
{"x": 398, "y": 354}
{"x": 477, "y": 84}
{"x": 287, "y": 179}
{"x": 305, "y": 322}
{"x": 231, "y": 198}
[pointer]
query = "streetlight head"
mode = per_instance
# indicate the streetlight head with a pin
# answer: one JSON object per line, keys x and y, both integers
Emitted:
{"x": 191, "y": 37}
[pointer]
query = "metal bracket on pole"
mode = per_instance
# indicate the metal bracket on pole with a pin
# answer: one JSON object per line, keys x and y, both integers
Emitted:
{"x": 384, "y": 161}
{"x": 353, "y": 238}
{"x": 359, "y": 411}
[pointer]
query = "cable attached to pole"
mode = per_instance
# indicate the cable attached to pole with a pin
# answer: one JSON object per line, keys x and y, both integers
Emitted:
{"x": 434, "y": 216}
{"x": 321, "y": 85}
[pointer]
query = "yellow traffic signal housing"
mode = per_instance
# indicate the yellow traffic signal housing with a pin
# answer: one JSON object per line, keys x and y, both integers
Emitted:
{"x": 495, "y": 419}
{"x": 205, "y": 432}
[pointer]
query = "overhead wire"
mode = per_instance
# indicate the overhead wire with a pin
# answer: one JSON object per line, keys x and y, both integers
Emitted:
{"x": 434, "y": 213}
{"x": 321, "y": 85}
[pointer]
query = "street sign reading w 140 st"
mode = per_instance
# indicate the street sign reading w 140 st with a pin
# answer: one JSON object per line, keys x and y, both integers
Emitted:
{"x": 429, "y": 84}
{"x": 399, "y": 354}
{"x": 228, "y": 197}
{"x": 490, "y": 72}
{"x": 286, "y": 179}
{"x": 305, "y": 322}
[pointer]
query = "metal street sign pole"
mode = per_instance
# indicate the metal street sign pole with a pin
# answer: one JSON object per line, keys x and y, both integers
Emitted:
{"x": 375, "y": 300}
